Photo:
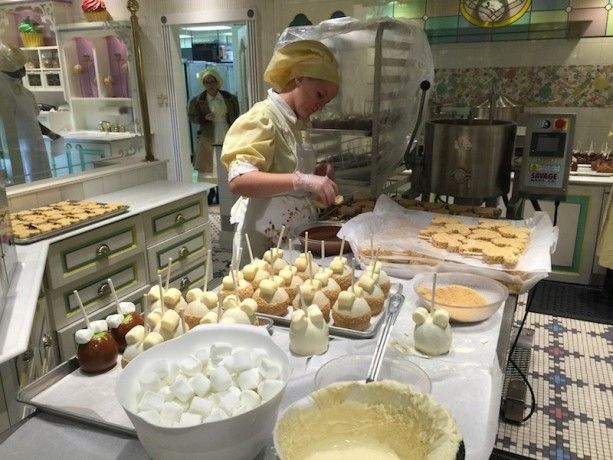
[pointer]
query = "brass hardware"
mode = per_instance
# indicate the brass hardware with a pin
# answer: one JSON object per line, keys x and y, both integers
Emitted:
{"x": 28, "y": 355}
{"x": 103, "y": 250}
{"x": 180, "y": 219}
{"x": 184, "y": 283}
{"x": 183, "y": 252}
{"x": 104, "y": 289}
{"x": 133, "y": 8}
{"x": 46, "y": 341}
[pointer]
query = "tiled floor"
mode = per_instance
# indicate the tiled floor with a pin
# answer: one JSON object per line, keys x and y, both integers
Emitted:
{"x": 572, "y": 376}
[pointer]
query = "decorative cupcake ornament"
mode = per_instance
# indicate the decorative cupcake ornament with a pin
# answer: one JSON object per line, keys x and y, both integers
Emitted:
{"x": 31, "y": 33}
{"x": 95, "y": 10}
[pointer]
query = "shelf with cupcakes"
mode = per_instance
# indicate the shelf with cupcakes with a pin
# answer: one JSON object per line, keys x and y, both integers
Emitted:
{"x": 43, "y": 70}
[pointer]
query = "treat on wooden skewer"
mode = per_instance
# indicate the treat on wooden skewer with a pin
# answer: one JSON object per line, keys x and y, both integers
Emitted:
{"x": 341, "y": 273}
{"x": 290, "y": 282}
{"x": 234, "y": 282}
{"x": 96, "y": 348}
{"x": 125, "y": 319}
{"x": 310, "y": 291}
{"x": 329, "y": 287}
{"x": 234, "y": 310}
{"x": 260, "y": 263}
{"x": 197, "y": 293}
{"x": 271, "y": 299}
{"x": 153, "y": 318}
{"x": 308, "y": 333}
{"x": 304, "y": 259}
{"x": 254, "y": 274}
{"x": 274, "y": 256}
{"x": 351, "y": 310}
{"x": 172, "y": 296}
{"x": 376, "y": 268}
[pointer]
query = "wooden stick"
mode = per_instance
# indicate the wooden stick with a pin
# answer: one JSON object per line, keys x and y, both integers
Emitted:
{"x": 234, "y": 281}
{"x": 182, "y": 316}
{"x": 218, "y": 309}
{"x": 374, "y": 264}
{"x": 433, "y": 290}
{"x": 249, "y": 247}
{"x": 280, "y": 238}
{"x": 323, "y": 250}
{"x": 310, "y": 266}
{"x": 353, "y": 272}
{"x": 162, "y": 303}
{"x": 302, "y": 301}
{"x": 342, "y": 247}
{"x": 146, "y": 312}
{"x": 110, "y": 281}
{"x": 168, "y": 272}
{"x": 87, "y": 323}
{"x": 306, "y": 243}
{"x": 238, "y": 262}
{"x": 207, "y": 270}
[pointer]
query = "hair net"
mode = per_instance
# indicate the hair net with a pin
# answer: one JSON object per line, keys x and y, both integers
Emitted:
{"x": 305, "y": 58}
{"x": 211, "y": 73}
{"x": 11, "y": 58}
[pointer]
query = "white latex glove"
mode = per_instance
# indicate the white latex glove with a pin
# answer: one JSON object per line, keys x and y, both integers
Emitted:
{"x": 322, "y": 186}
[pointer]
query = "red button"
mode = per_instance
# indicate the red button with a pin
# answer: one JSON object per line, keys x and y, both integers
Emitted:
{"x": 560, "y": 123}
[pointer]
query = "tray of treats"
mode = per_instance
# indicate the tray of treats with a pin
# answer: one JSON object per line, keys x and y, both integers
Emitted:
{"x": 46, "y": 221}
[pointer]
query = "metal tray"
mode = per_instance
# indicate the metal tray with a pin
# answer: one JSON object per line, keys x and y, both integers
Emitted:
{"x": 375, "y": 323}
{"x": 68, "y": 228}
{"x": 54, "y": 381}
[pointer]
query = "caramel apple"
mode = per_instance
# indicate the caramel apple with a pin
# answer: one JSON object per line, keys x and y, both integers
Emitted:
{"x": 121, "y": 323}
{"x": 96, "y": 348}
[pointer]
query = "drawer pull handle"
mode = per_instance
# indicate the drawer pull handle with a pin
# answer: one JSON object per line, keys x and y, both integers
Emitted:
{"x": 103, "y": 250}
{"x": 180, "y": 219}
{"x": 46, "y": 341}
{"x": 184, "y": 283}
{"x": 183, "y": 252}
{"x": 104, "y": 289}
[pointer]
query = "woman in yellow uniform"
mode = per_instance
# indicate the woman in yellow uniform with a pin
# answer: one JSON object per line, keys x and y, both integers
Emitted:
{"x": 270, "y": 164}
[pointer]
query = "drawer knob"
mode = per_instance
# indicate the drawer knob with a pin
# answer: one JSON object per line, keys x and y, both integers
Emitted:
{"x": 184, "y": 283}
{"x": 180, "y": 219}
{"x": 103, "y": 250}
{"x": 104, "y": 289}
{"x": 46, "y": 341}
{"x": 183, "y": 252}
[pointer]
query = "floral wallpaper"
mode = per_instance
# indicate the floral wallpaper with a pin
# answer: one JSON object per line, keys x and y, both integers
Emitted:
{"x": 561, "y": 86}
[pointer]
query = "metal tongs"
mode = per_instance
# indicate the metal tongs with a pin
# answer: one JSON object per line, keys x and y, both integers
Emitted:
{"x": 395, "y": 302}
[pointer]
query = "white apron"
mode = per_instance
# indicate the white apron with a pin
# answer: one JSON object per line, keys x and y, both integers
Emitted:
{"x": 262, "y": 218}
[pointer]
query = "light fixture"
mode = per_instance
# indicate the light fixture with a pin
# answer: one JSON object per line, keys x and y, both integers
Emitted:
{"x": 206, "y": 28}
{"x": 184, "y": 36}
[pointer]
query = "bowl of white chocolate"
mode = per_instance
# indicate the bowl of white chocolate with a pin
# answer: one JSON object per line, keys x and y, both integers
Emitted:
{"x": 212, "y": 393}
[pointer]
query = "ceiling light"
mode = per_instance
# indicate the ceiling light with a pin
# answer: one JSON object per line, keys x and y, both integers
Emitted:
{"x": 185, "y": 36}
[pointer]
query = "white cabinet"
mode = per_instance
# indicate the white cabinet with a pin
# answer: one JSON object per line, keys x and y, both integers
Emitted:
{"x": 43, "y": 71}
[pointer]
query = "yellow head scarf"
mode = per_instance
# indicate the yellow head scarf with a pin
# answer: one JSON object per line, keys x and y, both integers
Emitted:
{"x": 211, "y": 73}
{"x": 305, "y": 58}
{"x": 11, "y": 58}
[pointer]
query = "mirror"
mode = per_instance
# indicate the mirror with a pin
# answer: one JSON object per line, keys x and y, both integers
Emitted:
{"x": 83, "y": 78}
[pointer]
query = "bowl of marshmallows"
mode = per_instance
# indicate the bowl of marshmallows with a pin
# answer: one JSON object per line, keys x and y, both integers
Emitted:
{"x": 211, "y": 393}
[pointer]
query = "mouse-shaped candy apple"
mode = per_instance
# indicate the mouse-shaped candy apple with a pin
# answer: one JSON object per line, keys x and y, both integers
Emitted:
{"x": 432, "y": 331}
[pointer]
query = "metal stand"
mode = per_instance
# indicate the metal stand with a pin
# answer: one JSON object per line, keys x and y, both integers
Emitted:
{"x": 514, "y": 388}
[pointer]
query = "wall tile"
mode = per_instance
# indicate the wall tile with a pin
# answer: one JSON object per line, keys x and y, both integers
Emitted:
{"x": 45, "y": 197}
{"x": 93, "y": 187}
{"x": 128, "y": 179}
{"x": 145, "y": 175}
{"x": 72, "y": 192}
{"x": 23, "y": 202}
{"x": 111, "y": 183}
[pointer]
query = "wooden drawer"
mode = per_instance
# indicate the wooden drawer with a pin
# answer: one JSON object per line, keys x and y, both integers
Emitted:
{"x": 175, "y": 218}
{"x": 65, "y": 336}
{"x": 185, "y": 250}
{"x": 94, "y": 251}
{"x": 190, "y": 277}
{"x": 94, "y": 290}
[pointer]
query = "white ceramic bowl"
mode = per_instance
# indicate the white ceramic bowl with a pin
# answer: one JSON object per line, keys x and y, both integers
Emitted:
{"x": 369, "y": 418}
{"x": 238, "y": 437}
{"x": 492, "y": 290}
{"x": 355, "y": 368}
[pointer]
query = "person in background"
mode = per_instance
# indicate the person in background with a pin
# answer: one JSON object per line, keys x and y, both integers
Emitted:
{"x": 20, "y": 131}
{"x": 270, "y": 162}
{"x": 214, "y": 110}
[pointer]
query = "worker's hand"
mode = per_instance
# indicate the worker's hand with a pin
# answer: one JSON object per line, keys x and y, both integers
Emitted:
{"x": 325, "y": 169}
{"x": 209, "y": 116}
{"x": 322, "y": 186}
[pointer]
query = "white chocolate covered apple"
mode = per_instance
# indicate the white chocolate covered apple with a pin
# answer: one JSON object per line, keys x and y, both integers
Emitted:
{"x": 351, "y": 310}
{"x": 308, "y": 332}
{"x": 271, "y": 299}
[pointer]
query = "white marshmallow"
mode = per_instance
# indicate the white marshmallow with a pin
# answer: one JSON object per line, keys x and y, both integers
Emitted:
{"x": 166, "y": 393}
{"x": 200, "y": 384}
{"x": 170, "y": 321}
{"x": 159, "y": 367}
{"x": 83, "y": 336}
{"x": 190, "y": 365}
{"x": 250, "y": 399}
{"x": 173, "y": 372}
{"x": 181, "y": 388}
{"x": 193, "y": 295}
{"x": 153, "y": 319}
{"x": 230, "y": 401}
{"x": 228, "y": 363}
{"x": 249, "y": 379}
{"x": 201, "y": 406}
{"x": 215, "y": 415}
{"x": 219, "y": 351}
{"x": 99, "y": 326}
{"x": 269, "y": 369}
{"x": 135, "y": 335}
{"x": 125, "y": 308}
{"x": 257, "y": 354}
{"x": 171, "y": 412}
{"x": 241, "y": 360}
{"x": 150, "y": 381}
{"x": 267, "y": 389}
{"x": 151, "y": 401}
{"x": 151, "y": 416}
{"x": 189, "y": 419}
{"x": 152, "y": 339}
{"x": 220, "y": 379}
{"x": 113, "y": 321}
{"x": 203, "y": 355}
{"x": 132, "y": 351}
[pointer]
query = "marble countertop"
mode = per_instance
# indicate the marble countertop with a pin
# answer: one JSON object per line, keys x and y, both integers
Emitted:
{"x": 18, "y": 315}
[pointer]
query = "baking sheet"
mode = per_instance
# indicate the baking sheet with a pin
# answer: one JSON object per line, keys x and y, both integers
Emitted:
{"x": 403, "y": 227}
{"x": 586, "y": 170}
{"x": 68, "y": 228}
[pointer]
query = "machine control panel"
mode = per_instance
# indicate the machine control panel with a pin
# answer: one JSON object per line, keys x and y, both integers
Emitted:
{"x": 547, "y": 156}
